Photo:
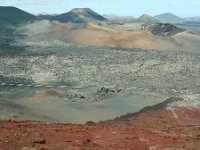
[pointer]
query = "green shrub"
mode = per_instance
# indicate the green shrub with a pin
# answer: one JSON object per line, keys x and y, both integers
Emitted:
{"x": 90, "y": 123}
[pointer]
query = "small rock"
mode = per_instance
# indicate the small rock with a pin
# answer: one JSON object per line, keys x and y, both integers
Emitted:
{"x": 13, "y": 116}
{"x": 24, "y": 148}
{"x": 82, "y": 97}
{"x": 27, "y": 148}
{"x": 40, "y": 141}
{"x": 88, "y": 140}
{"x": 42, "y": 148}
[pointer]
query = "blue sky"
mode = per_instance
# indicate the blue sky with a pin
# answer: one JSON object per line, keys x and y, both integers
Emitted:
{"x": 182, "y": 8}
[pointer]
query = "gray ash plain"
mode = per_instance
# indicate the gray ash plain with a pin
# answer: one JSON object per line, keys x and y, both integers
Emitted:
{"x": 63, "y": 82}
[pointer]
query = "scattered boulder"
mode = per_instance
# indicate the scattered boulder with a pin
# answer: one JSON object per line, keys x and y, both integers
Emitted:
{"x": 82, "y": 97}
{"x": 13, "y": 115}
{"x": 28, "y": 148}
{"x": 40, "y": 141}
{"x": 104, "y": 92}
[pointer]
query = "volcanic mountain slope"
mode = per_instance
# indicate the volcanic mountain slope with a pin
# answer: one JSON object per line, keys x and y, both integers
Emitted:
{"x": 79, "y": 15}
{"x": 14, "y": 15}
{"x": 173, "y": 124}
{"x": 81, "y": 26}
{"x": 169, "y": 18}
{"x": 158, "y": 37}
{"x": 145, "y": 18}
{"x": 154, "y": 36}
{"x": 10, "y": 17}
{"x": 107, "y": 36}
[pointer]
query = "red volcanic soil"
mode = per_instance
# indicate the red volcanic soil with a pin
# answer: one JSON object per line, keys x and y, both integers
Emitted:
{"x": 154, "y": 128}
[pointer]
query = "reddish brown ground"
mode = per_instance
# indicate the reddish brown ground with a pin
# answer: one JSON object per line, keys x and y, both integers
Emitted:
{"x": 153, "y": 129}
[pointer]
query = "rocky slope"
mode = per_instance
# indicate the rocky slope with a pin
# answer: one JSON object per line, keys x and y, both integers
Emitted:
{"x": 156, "y": 36}
{"x": 173, "y": 124}
{"x": 79, "y": 15}
{"x": 164, "y": 29}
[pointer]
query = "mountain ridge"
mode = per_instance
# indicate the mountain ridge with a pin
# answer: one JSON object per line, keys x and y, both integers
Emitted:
{"x": 79, "y": 15}
{"x": 15, "y": 15}
{"x": 169, "y": 18}
{"x": 146, "y": 18}
{"x": 11, "y": 17}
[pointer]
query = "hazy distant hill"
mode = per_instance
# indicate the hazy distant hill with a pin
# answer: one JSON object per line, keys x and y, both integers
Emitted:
{"x": 116, "y": 18}
{"x": 147, "y": 19}
{"x": 46, "y": 17}
{"x": 169, "y": 18}
{"x": 192, "y": 20}
{"x": 79, "y": 15}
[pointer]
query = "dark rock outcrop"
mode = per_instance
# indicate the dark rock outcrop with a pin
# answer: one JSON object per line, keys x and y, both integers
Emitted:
{"x": 164, "y": 29}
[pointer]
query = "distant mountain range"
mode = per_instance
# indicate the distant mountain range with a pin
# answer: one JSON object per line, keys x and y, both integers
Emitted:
{"x": 192, "y": 20}
{"x": 85, "y": 27}
{"x": 168, "y": 18}
{"x": 148, "y": 19}
{"x": 11, "y": 16}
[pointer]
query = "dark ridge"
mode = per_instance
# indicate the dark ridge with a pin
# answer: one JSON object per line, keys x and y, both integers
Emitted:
{"x": 11, "y": 17}
{"x": 14, "y": 16}
{"x": 67, "y": 17}
{"x": 165, "y": 29}
{"x": 162, "y": 105}
{"x": 95, "y": 15}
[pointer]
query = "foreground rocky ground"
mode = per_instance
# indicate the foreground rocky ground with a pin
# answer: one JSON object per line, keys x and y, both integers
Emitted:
{"x": 171, "y": 125}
